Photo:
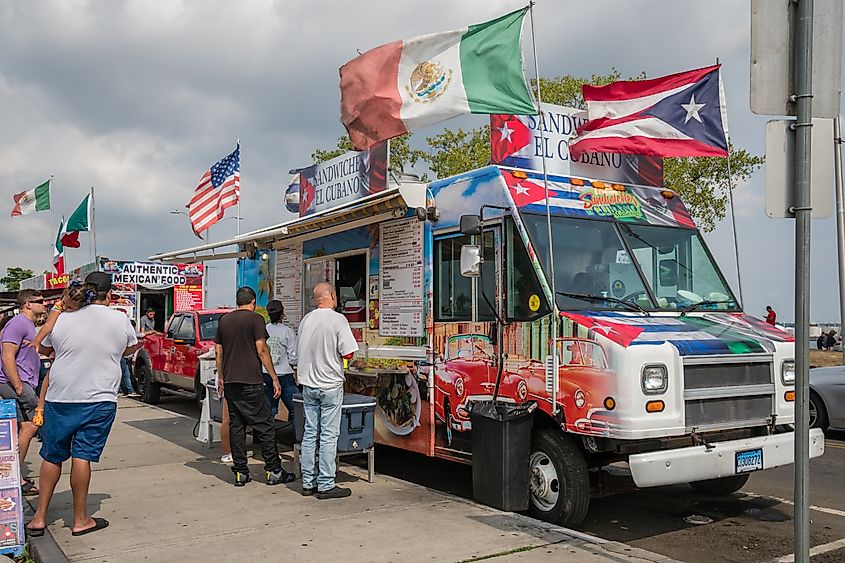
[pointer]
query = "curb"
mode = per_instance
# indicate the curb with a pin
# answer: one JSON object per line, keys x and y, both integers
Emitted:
{"x": 44, "y": 549}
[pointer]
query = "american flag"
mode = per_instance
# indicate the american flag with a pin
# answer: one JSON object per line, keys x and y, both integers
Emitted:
{"x": 219, "y": 188}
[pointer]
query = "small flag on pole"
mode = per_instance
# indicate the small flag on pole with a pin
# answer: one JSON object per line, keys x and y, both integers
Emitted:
{"x": 219, "y": 188}
{"x": 680, "y": 115}
{"x": 34, "y": 200}
{"x": 80, "y": 219}
{"x": 59, "y": 249}
{"x": 407, "y": 85}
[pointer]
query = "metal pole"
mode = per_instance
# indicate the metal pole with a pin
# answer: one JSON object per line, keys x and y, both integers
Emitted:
{"x": 238, "y": 219}
{"x": 840, "y": 224}
{"x": 733, "y": 224}
{"x": 52, "y": 224}
{"x": 803, "y": 57}
{"x": 94, "y": 227}
{"x": 551, "y": 273}
{"x": 205, "y": 273}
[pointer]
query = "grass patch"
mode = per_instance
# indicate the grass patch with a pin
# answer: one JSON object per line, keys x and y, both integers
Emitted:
{"x": 502, "y": 553}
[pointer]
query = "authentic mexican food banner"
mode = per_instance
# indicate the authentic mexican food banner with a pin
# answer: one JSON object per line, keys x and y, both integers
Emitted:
{"x": 520, "y": 141}
{"x": 130, "y": 277}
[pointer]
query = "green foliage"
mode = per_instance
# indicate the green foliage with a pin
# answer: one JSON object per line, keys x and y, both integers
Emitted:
{"x": 13, "y": 278}
{"x": 702, "y": 182}
{"x": 453, "y": 152}
{"x": 402, "y": 156}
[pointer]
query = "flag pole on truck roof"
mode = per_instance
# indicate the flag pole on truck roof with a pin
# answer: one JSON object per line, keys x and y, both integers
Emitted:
{"x": 238, "y": 219}
{"x": 52, "y": 219}
{"x": 731, "y": 194}
{"x": 554, "y": 321}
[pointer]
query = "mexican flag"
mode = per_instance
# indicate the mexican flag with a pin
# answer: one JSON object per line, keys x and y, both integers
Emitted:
{"x": 407, "y": 85}
{"x": 80, "y": 220}
{"x": 37, "y": 199}
{"x": 59, "y": 250}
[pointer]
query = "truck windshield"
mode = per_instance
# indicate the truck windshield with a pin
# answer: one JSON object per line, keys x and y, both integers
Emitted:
{"x": 208, "y": 325}
{"x": 593, "y": 261}
{"x": 678, "y": 268}
{"x": 590, "y": 261}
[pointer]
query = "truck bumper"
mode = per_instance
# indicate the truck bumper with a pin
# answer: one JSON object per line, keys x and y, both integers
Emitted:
{"x": 697, "y": 463}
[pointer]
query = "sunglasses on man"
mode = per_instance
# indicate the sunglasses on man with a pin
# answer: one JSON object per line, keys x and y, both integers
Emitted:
{"x": 36, "y": 301}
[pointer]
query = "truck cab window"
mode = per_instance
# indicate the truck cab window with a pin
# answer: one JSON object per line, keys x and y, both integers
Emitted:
{"x": 173, "y": 327}
{"x": 185, "y": 331}
{"x": 453, "y": 292}
{"x": 525, "y": 296}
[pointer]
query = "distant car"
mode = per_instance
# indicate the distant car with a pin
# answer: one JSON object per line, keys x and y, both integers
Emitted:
{"x": 827, "y": 397}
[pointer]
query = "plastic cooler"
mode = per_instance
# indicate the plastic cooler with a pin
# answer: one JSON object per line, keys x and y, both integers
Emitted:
{"x": 357, "y": 421}
{"x": 215, "y": 403}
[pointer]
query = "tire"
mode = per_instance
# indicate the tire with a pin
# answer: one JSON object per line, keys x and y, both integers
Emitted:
{"x": 722, "y": 486}
{"x": 149, "y": 389}
{"x": 199, "y": 388}
{"x": 559, "y": 483}
{"x": 818, "y": 413}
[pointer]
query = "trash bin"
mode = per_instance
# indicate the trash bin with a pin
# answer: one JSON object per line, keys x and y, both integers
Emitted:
{"x": 357, "y": 422}
{"x": 501, "y": 445}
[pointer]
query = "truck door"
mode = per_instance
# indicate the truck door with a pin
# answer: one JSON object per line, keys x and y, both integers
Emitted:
{"x": 184, "y": 352}
{"x": 464, "y": 344}
{"x": 168, "y": 347}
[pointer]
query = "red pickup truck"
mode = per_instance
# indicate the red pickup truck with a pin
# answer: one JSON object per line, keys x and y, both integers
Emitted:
{"x": 171, "y": 360}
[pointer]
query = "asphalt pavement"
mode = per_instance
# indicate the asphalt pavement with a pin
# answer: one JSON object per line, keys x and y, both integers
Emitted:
{"x": 754, "y": 525}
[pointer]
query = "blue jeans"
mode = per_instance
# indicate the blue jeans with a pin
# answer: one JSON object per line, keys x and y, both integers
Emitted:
{"x": 126, "y": 379}
{"x": 289, "y": 389}
{"x": 322, "y": 417}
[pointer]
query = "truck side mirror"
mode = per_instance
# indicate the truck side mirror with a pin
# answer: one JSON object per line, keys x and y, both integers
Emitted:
{"x": 470, "y": 260}
{"x": 471, "y": 225}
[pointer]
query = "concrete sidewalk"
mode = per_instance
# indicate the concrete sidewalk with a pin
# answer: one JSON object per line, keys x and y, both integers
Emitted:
{"x": 168, "y": 497}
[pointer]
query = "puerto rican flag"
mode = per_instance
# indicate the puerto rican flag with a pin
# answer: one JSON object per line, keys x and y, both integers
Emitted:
{"x": 674, "y": 116}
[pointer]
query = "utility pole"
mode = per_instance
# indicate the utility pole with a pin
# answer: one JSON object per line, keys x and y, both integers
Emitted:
{"x": 840, "y": 224}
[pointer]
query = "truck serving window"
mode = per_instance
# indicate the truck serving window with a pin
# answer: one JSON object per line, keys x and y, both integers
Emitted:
{"x": 590, "y": 260}
{"x": 525, "y": 296}
{"x": 452, "y": 291}
{"x": 678, "y": 267}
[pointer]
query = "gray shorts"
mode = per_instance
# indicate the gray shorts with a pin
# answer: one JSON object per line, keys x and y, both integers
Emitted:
{"x": 26, "y": 401}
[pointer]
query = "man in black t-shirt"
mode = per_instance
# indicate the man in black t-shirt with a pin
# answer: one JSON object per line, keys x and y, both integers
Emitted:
{"x": 241, "y": 349}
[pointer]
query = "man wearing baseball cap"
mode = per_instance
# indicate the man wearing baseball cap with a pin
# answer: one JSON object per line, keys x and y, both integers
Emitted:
{"x": 81, "y": 399}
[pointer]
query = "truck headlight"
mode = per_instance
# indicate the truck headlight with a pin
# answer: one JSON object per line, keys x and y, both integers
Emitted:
{"x": 787, "y": 372}
{"x": 655, "y": 379}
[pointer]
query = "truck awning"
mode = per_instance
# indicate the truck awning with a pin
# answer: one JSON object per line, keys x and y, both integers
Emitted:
{"x": 395, "y": 201}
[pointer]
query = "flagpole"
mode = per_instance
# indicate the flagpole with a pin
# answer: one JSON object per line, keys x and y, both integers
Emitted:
{"x": 52, "y": 220}
{"x": 238, "y": 218}
{"x": 93, "y": 227}
{"x": 554, "y": 324}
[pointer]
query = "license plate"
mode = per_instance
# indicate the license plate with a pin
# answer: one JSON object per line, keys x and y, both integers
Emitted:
{"x": 749, "y": 460}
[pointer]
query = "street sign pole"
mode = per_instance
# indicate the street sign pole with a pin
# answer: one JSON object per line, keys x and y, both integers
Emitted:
{"x": 840, "y": 223}
{"x": 803, "y": 57}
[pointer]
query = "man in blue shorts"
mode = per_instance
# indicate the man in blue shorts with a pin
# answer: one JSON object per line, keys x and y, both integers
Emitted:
{"x": 81, "y": 399}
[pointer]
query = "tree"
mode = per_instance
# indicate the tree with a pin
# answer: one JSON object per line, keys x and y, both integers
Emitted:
{"x": 402, "y": 156}
{"x": 13, "y": 278}
{"x": 453, "y": 152}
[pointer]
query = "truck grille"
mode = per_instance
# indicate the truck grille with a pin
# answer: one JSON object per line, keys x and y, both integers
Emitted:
{"x": 732, "y": 394}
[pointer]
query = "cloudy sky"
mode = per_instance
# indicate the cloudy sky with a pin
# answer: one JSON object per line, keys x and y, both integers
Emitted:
{"x": 138, "y": 97}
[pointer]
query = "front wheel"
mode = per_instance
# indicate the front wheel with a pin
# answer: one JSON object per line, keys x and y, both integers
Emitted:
{"x": 148, "y": 388}
{"x": 559, "y": 483}
{"x": 721, "y": 486}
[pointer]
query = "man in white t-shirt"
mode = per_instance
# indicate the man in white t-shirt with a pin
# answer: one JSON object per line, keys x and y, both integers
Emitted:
{"x": 325, "y": 339}
{"x": 81, "y": 399}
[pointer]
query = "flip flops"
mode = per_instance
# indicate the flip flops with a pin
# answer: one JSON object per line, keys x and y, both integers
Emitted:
{"x": 34, "y": 532}
{"x": 29, "y": 489}
{"x": 99, "y": 524}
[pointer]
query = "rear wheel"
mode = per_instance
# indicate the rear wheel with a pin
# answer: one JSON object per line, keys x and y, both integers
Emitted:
{"x": 149, "y": 389}
{"x": 818, "y": 413}
{"x": 559, "y": 483}
{"x": 721, "y": 486}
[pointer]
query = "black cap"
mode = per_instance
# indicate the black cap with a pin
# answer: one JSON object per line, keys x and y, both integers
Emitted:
{"x": 275, "y": 306}
{"x": 101, "y": 280}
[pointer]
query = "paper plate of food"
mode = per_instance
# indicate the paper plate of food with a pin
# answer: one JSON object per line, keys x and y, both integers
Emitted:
{"x": 399, "y": 404}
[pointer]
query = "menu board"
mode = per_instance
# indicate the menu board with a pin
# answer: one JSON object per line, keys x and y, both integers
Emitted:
{"x": 401, "y": 288}
{"x": 188, "y": 297}
{"x": 288, "y": 282}
{"x": 11, "y": 503}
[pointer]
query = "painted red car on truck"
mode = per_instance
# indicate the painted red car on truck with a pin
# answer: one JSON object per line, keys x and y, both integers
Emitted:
{"x": 170, "y": 360}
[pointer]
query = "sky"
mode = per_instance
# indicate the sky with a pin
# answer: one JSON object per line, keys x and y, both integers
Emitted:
{"x": 138, "y": 98}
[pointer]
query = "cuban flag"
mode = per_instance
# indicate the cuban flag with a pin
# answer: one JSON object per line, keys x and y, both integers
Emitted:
{"x": 674, "y": 116}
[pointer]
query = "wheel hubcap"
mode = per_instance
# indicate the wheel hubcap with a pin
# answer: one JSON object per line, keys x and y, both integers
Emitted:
{"x": 544, "y": 484}
{"x": 814, "y": 413}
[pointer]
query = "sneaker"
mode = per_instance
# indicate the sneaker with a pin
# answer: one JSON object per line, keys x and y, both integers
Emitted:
{"x": 242, "y": 479}
{"x": 336, "y": 492}
{"x": 280, "y": 477}
{"x": 134, "y": 395}
{"x": 226, "y": 458}
{"x": 308, "y": 491}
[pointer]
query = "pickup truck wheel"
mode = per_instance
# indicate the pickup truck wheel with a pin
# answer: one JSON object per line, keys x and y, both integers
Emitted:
{"x": 559, "y": 483}
{"x": 149, "y": 389}
{"x": 721, "y": 486}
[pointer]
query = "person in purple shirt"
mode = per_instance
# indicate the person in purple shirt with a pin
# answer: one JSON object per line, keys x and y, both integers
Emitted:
{"x": 19, "y": 367}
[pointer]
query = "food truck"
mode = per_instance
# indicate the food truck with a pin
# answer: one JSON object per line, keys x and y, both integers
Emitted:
{"x": 138, "y": 286}
{"x": 596, "y": 301}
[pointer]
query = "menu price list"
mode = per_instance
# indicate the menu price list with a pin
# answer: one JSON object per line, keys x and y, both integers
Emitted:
{"x": 401, "y": 278}
{"x": 288, "y": 278}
